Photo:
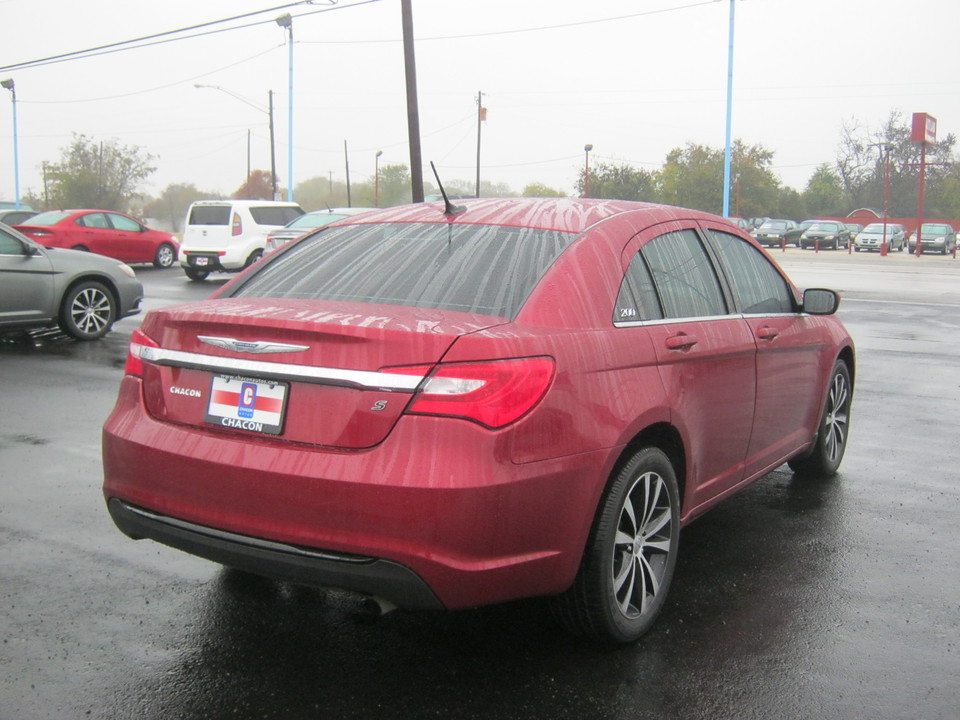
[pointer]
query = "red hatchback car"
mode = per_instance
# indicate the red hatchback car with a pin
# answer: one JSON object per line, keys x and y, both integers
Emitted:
{"x": 103, "y": 232}
{"x": 449, "y": 407}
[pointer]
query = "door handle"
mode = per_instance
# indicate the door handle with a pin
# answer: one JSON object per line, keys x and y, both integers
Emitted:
{"x": 681, "y": 342}
{"x": 767, "y": 333}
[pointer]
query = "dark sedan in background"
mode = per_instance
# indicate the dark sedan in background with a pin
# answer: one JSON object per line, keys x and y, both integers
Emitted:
{"x": 823, "y": 234}
{"x": 792, "y": 236}
{"x": 81, "y": 292}
{"x": 771, "y": 233}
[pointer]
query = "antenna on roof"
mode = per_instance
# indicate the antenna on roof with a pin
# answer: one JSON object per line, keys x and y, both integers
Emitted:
{"x": 450, "y": 208}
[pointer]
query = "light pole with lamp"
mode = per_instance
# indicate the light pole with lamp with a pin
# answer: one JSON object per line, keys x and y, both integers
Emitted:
{"x": 286, "y": 21}
{"x": 11, "y": 86}
{"x": 727, "y": 143}
{"x": 376, "y": 178}
{"x": 586, "y": 169}
{"x": 269, "y": 113}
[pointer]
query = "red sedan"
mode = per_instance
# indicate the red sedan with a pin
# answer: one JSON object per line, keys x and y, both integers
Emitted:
{"x": 103, "y": 232}
{"x": 452, "y": 407}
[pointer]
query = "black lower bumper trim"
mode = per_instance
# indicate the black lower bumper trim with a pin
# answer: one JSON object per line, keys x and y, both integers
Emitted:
{"x": 305, "y": 566}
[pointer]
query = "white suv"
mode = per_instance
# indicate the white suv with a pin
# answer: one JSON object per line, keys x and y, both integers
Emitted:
{"x": 229, "y": 235}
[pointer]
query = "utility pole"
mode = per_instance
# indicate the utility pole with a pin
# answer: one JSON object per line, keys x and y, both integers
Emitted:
{"x": 413, "y": 113}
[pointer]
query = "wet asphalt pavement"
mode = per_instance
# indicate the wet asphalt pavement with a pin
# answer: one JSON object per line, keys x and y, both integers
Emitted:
{"x": 824, "y": 599}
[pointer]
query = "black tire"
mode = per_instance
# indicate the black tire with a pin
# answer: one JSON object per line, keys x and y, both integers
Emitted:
{"x": 88, "y": 311}
{"x": 195, "y": 274}
{"x": 165, "y": 256}
{"x": 827, "y": 452}
{"x": 629, "y": 560}
{"x": 80, "y": 248}
{"x": 254, "y": 256}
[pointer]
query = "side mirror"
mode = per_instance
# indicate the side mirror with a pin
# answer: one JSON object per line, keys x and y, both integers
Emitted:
{"x": 820, "y": 301}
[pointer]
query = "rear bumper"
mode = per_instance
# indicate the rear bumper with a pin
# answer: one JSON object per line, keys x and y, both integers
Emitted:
{"x": 369, "y": 576}
{"x": 435, "y": 515}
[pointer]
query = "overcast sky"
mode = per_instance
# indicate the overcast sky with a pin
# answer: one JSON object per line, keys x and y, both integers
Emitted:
{"x": 635, "y": 78}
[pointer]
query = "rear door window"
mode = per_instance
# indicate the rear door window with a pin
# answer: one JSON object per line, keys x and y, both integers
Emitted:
{"x": 684, "y": 276}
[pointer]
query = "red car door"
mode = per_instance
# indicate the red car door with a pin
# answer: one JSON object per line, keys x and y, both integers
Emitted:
{"x": 706, "y": 357}
{"x": 789, "y": 368}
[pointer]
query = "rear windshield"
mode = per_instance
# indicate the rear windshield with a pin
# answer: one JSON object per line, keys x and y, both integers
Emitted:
{"x": 209, "y": 215}
{"x": 48, "y": 218}
{"x": 483, "y": 269}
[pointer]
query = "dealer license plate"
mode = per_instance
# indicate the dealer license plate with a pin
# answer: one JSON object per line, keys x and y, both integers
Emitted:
{"x": 247, "y": 404}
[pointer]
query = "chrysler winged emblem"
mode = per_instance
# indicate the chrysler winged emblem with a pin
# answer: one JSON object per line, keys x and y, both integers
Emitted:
{"x": 258, "y": 347}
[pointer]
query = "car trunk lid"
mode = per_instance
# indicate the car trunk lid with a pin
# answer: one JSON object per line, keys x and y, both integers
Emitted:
{"x": 295, "y": 370}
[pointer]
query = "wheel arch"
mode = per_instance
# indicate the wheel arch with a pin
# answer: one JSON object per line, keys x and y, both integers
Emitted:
{"x": 104, "y": 280}
{"x": 848, "y": 356}
{"x": 667, "y": 438}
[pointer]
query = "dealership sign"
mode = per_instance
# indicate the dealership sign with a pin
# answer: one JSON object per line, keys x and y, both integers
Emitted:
{"x": 924, "y": 128}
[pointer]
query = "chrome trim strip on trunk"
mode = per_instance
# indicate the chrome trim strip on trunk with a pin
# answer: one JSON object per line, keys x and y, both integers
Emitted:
{"x": 360, "y": 379}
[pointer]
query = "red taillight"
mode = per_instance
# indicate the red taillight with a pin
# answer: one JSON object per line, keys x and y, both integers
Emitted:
{"x": 237, "y": 227}
{"x": 494, "y": 393}
{"x": 138, "y": 342}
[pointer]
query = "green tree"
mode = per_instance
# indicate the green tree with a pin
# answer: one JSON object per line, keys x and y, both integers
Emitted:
{"x": 171, "y": 207}
{"x": 395, "y": 188}
{"x": 542, "y": 191}
{"x": 692, "y": 177}
{"x": 617, "y": 182}
{"x": 103, "y": 175}
{"x": 824, "y": 194}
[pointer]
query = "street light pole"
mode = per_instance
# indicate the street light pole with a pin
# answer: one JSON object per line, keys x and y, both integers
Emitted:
{"x": 286, "y": 21}
{"x": 11, "y": 86}
{"x": 586, "y": 169}
{"x": 727, "y": 144}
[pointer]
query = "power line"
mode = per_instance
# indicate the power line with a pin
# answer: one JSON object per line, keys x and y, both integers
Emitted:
{"x": 169, "y": 35}
{"x": 539, "y": 28}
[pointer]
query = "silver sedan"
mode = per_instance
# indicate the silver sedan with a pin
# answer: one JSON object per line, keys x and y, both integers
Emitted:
{"x": 81, "y": 292}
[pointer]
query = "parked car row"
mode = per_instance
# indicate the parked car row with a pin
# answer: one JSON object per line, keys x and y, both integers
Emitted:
{"x": 826, "y": 234}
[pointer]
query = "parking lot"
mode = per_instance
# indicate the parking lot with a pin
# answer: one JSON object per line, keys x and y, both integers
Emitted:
{"x": 817, "y": 599}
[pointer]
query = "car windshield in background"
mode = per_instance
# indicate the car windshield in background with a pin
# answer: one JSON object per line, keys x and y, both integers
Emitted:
{"x": 773, "y": 226}
{"x": 48, "y": 218}
{"x": 311, "y": 220}
{"x": 482, "y": 269}
{"x": 934, "y": 229}
{"x": 876, "y": 228}
{"x": 273, "y": 215}
{"x": 832, "y": 227}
